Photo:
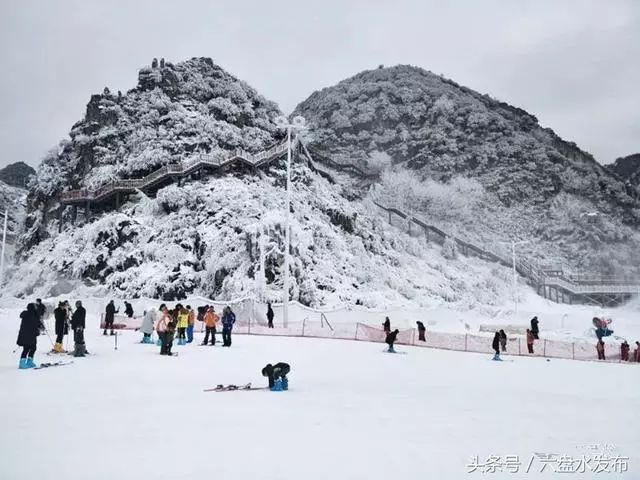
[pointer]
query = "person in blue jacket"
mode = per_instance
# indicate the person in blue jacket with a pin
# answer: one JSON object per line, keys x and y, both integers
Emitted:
{"x": 228, "y": 319}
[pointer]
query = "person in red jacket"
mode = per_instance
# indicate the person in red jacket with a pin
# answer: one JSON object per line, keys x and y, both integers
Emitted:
{"x": 600, "y": 349}
{"x": 530, "y": 340}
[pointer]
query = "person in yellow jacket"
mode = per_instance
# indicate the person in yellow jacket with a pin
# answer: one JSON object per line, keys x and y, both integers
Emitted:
{"x": 210, "y": 322}
{"x": 192, "y": 321}
{"x": 183, "y": 323}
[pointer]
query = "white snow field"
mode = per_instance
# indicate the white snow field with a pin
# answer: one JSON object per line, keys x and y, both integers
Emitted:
{"x": 352, "y": 412}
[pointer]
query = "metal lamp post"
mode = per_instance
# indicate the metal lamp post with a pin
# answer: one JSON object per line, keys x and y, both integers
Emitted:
{"x": 4, "y": 241}
{"x": 296, "y": 125}
{"x": 513, "y": 244}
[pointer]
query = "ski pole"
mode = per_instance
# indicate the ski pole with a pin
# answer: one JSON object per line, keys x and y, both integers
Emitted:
{"x": 115, "y": 338}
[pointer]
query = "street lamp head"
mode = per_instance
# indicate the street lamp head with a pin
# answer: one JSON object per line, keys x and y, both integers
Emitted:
{"x": 298, "y": 122}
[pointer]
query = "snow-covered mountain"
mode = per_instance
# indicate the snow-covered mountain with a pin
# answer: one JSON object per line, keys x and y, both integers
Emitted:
{"x": 480, "y": 168}
{"x": 206, "y": 236}
{"x": 628, "y": 168}
{"x": 16, "y": 174}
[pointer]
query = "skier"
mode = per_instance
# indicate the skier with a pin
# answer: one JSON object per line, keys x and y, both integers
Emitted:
{"x": 182, "y": 321}
{"x": 421, "y": 331}
{"x": 128, "y": 309}
{"x": 624, "y": 351}
{"x": 228, "y": 319}
{"x": 269, "y": 315}
{"x": 147, "y": 325}
{"x": 109, "y": 316}
{"x": 496, "y": 346}
{"x": 534, "y": 328}
{"x": 41, "y": 310}
{"x": 600, "y": 349}
{"x": 60, "y": 314}
{"x": 165, "y": 328}
{"x": 530, "y": 341}
{"x": 386, "y": 326}
{"x": 277, "y": 375}
{"x": 390, "y": 340}
{"x": 78, "y": 322}
{"x": 210, "y": 321}
{"x": 503, "y": 340}
{"x": 192, "y": 321}
{"x": 28, "y": 336}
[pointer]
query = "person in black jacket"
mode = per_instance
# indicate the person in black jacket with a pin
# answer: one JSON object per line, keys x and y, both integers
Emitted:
{"x": 391, "y": 339}
{"x": 78, "y": 322}
{"x": 503, "y": 340}
{"x": 421, "y": 331}
{"x": 496, "y": 346}
{"x": 534, "y": 327}
{"x": 277, "y": 375}
{"x": 28, "y": 336}
{"x": 109, "y": 316}
{"x": 269, "y": 315}
{"x": 386, "y": 326}
{"x": 128, "y": 309}
{"x": 41, "y": 310}
{"x": 60, "y": 314}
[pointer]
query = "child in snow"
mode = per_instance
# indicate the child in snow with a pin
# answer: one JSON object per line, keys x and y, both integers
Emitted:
{"x": 386, "y": 326}
{"x": 530, "y": 340}
{"x": 624, "y": 351}
{"x": 600, "y": 349}
{"x": 192, "y": 321}
{"x": 421, "y": 331}
{"x": 182, "y": 320}
{"x": 147, "y": 324}
{"x": 391, "y": 339}
{"x": 228, "y": 319}
{"x": 277, "y": 375}
{"x": 496, "y": 346}
{"x": 28, "y": 336}
{"x": 503, "y": 340}
{"x": 210, "y": 321}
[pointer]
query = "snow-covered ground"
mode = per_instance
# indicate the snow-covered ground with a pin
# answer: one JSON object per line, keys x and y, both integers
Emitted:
{"x": 352, "y": 412}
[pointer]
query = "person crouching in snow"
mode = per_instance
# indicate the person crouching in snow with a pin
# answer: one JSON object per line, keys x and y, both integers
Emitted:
{"x": 28, "y": 336}
{"x": 182, "y": 318}
{"x": 192, "y": 321}
{"x": 530, "y": 340}
{"x": 391, "y": 339}
{"x": 147, "y": 325}
{"x": 496, "y": 346}
{"x": 277, "y": 375}
{"x": 421, "y": 331}
{"x": 600, "y": 349}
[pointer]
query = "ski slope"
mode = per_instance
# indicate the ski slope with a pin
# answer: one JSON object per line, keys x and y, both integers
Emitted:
{"x": 352, "y": 412}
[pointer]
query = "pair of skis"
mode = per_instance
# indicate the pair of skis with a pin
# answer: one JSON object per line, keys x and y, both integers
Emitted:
{"x": 51, "y": 364}
{"x": 232, "y": 388}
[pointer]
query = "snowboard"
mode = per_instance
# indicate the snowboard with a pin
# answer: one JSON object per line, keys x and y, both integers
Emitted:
{"x": 51, "y": 364}
{"x": 232, "y": 388}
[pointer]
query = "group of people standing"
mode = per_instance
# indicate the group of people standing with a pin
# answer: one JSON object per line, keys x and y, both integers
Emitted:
{"x": 32, "y": 325}
{"x": 181, "y": 321}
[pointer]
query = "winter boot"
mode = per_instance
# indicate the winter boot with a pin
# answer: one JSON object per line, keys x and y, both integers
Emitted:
{"x": 391, "y": 350}
{"x": 112, "y": 332}
{"x": 496, "y": 356}
{"x": 285, "y": 383}
{"x": 277, "y": 385}
{"x": 30, "y": 362}
{"x": 57, "y": 348}
{"x": 23, "y": 365}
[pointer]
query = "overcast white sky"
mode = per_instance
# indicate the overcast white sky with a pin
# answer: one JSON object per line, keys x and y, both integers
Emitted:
{"x": 573, "y": 64}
